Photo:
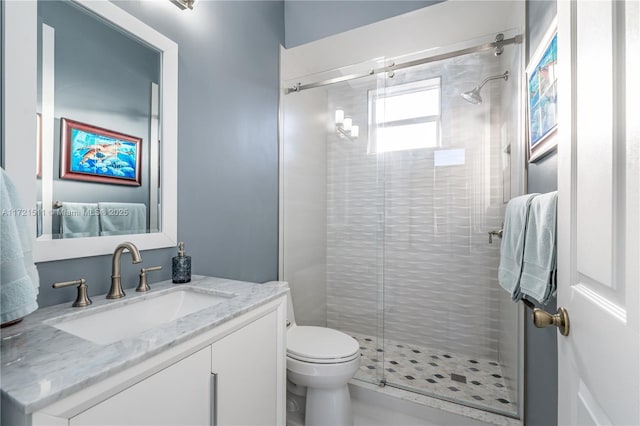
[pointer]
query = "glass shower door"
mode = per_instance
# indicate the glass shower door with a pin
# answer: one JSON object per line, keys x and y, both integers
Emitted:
{"x": 355, "y": 221}
{"x": 333, "y": 208}
{"x": 443, "y": 164}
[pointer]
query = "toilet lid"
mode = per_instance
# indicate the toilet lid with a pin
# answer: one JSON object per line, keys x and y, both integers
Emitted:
{"x": 321, "y": 344}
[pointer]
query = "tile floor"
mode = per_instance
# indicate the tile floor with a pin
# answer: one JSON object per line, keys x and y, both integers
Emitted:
{"x": 469, "y": 380}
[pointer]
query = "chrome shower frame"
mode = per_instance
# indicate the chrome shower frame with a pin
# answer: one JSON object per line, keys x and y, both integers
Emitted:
{"x": 497, "y": 46}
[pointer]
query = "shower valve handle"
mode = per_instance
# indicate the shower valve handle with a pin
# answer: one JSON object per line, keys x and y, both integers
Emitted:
{"x": 496, "y": 232}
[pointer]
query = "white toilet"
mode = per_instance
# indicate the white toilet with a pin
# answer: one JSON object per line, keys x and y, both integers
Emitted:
{"x": 320, "y": 363}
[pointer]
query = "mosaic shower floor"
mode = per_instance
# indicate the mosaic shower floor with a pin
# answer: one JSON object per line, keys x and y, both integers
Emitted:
{"x": 470, "y": 380}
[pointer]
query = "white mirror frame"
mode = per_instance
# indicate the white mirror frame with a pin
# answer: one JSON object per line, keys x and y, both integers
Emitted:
{"x": 20, "y": 95}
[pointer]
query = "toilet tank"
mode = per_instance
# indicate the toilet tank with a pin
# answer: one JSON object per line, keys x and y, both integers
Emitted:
{"x": 291, "y": 318}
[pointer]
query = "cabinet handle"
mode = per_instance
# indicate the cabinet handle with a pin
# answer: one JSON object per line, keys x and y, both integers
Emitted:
{"x": 214, "y": 399}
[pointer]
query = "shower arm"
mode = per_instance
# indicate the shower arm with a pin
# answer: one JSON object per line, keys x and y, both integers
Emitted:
{"x": 494, "y": 77}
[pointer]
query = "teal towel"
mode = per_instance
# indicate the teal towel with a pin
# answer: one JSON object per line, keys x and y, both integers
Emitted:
{"x": 19, "y": 281}
{"x": 513, "y": 244}
{"x": 122, "y": 218}
{"x": 79, "y": 220}
{"x": 538, "y": 270}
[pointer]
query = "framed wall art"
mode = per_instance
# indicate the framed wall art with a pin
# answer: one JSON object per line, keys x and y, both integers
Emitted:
{"x": 94, "y": 154}
{"x": 542, "y": 96}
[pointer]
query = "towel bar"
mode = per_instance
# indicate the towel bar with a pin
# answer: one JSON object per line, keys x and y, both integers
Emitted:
{"x": 542, "y": 318}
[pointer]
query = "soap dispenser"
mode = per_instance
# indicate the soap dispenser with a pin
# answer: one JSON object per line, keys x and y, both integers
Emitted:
{"x": 181, "y": 266}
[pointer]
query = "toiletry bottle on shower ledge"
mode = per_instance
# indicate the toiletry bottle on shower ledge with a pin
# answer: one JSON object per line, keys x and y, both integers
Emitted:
{"x": 181, "y": 266}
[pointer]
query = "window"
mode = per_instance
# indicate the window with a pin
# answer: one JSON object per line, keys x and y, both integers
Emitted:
{"x": 405, "y": 116}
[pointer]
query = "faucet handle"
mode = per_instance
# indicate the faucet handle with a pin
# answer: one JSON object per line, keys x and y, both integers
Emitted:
{"x": 81, "y": 299}
{"x": 142, "y": 284}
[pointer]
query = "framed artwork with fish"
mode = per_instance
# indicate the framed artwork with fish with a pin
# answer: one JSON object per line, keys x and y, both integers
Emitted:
{"x": 542, "y": 105}
{"x": 94, "y": 154}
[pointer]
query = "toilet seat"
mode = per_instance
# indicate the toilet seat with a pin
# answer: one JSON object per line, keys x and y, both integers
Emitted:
{"x": 319, "y": 345}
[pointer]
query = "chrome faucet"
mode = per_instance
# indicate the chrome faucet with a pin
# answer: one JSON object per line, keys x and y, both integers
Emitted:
{"x": 116, "y": 291}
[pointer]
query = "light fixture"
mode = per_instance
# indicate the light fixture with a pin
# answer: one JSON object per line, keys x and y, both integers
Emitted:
{"x": 184, "y": 4}
{"x": 345, "y": 127}
{"x": 348, "y": 122}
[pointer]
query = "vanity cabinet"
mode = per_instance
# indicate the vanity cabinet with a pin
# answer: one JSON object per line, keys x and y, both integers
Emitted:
{"x": 177, "y": 395}
{"x": 243, "y": 365}
{"x": 234, "y": 374}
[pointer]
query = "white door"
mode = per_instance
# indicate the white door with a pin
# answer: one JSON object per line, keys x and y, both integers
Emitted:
{"x": 599, "y": 216}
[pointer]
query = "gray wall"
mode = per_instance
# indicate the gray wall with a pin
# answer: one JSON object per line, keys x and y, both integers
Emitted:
{"x": 541, "y": 351}
{"x": 227, "y": 146}
{"x": 306, "y": 21}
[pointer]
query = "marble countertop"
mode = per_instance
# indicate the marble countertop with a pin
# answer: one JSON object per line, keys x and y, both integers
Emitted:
{"x": 42, "y": 364}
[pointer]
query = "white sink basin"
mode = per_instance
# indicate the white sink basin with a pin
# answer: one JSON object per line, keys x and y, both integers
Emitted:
{"x": 111, "y": 325}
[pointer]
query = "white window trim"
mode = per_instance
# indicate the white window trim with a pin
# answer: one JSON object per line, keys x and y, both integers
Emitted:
{"x": 402, "y": 89}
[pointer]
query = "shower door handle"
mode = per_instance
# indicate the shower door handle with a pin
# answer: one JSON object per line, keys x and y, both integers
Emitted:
{"x": 496, "y": 232}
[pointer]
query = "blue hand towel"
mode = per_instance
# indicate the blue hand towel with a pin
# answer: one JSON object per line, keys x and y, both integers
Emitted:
{"x": 19, "y": 281}
{"x": 539, "y": 266}
{"x": 79, "y": 220}
{"x": 513, "y": 243}
{"x": 122, "y": 218}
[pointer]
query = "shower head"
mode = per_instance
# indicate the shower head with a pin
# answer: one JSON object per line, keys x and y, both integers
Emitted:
{"x": 473, "y": 96}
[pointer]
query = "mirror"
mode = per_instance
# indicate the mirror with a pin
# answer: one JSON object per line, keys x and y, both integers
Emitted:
{"x": 97, "y": 116}
{"x": 105, "y": 121}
